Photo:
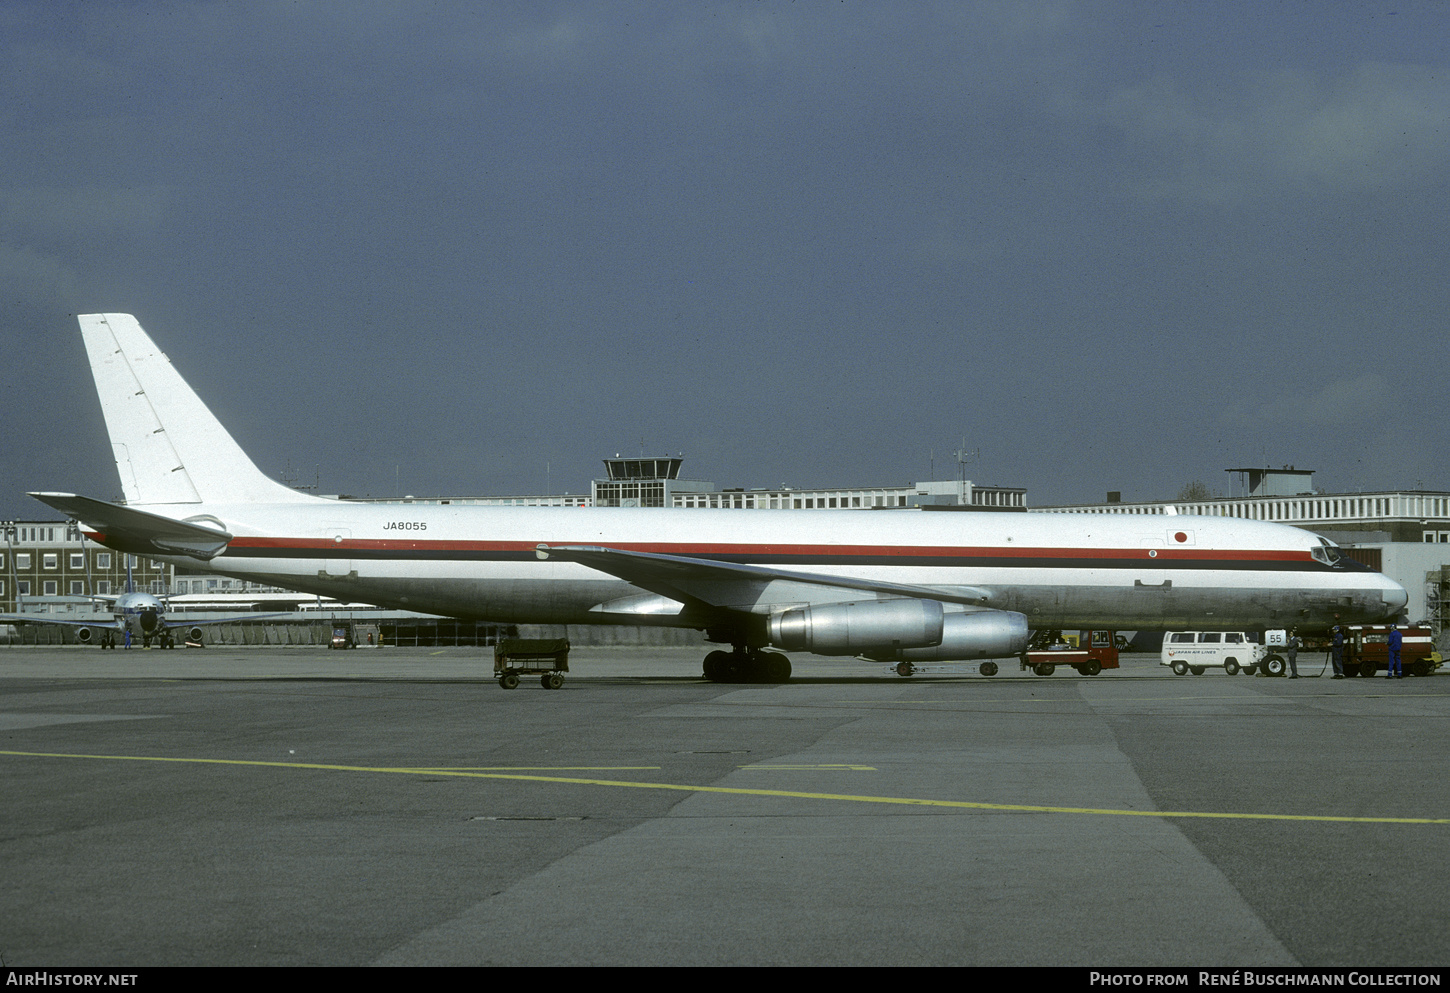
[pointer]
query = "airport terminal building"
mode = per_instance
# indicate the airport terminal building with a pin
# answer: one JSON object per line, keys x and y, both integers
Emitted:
{"x": 52, "y": 560}
{"x": 655, "y": 482}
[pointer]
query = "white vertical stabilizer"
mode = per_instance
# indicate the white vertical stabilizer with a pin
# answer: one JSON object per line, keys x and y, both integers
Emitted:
{"x": 169, "y": 447}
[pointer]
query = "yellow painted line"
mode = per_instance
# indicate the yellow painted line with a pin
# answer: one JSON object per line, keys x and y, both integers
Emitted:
{"x": 740, "y": 791}
{"x": 837, "y": 767}
{"x": 536, "y": 768}
{"x": 1095, "y": 701}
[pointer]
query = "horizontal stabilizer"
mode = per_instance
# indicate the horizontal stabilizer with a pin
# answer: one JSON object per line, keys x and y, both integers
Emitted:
{"x": 742, "y": 587}
{"x": 137, "y": 531}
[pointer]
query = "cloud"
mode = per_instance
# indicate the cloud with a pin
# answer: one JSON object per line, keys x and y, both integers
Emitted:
{"x": 556, "y": 41}
{"x": 1383, "y": 125}
{"x": 1365, "y": 398}
{"x": 1018, "y": 19}
{"x": 1378, "y": 126}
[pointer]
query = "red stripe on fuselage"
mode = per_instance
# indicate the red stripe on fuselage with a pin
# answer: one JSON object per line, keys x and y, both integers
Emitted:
{"x": 242, "y": 544}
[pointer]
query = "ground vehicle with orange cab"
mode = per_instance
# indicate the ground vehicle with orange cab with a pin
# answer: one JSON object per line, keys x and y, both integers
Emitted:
{"x": 1094, "y": 652}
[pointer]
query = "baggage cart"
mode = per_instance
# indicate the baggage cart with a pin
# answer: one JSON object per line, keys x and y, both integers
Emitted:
{"x": 547, "y": 658}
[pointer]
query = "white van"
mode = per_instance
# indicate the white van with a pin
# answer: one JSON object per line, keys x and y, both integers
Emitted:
{"x": 1195, "y": 651}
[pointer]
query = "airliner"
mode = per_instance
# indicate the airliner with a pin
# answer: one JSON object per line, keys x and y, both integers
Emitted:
{"x": 136, "y": 617}
{"x": 899, "y": 585}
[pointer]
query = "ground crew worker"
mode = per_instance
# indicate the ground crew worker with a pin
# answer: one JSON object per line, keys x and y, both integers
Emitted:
{"x": 1395, "y": 641}
{"x": 1336, "y": 652}
{"x": 1293, "y": 653}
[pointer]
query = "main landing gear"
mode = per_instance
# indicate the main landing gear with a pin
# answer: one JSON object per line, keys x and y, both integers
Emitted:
{"x": 742, "y": 666}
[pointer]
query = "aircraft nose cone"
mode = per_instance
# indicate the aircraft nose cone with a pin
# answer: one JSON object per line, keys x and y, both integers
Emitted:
{"x": 1395, "y": 598}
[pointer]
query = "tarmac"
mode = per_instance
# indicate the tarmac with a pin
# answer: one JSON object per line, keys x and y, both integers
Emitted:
{"x": 298, "y": 806}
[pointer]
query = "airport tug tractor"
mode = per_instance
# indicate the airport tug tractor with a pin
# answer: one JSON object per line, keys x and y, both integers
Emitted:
{"x": 343, "y": 635}
{"x": 547, "y": 658}
{"x": 1093, "y": 652}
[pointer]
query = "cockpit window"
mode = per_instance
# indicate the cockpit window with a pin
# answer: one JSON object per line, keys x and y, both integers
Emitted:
{"x": 1326, "y": 551}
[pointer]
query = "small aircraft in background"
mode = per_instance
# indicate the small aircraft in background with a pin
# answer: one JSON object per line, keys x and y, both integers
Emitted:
{"x": 136, "y": 617}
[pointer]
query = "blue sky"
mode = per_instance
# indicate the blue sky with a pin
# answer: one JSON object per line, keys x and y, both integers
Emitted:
{"x": 474, "y": 248}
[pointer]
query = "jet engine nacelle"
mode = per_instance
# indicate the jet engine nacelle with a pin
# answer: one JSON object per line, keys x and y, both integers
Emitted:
{"x": 83, "y": 635}
{"x": 987, "y": 634}
{"x": 853, "y": 628}
{"x": 193, "y": 634}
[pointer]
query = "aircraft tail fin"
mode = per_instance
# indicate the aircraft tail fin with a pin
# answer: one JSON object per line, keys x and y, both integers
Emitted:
{"x": 169, "y": 447}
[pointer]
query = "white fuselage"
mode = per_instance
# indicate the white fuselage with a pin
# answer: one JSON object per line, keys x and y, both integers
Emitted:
{"x": 1060, "y": 570}
{"x": 812, "y": 579}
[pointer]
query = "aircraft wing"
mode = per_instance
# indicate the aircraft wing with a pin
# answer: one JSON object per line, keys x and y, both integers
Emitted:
{"x": 101, "y": 622}
{"x": 172, "y": 623}
{"x": 137, "y": 531}
{"x": 694, "y": 582}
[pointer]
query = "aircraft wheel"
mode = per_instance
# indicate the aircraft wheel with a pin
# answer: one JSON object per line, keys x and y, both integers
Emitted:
{"x": 1231, "y": 667}
{"x": 717, "y": 666}
{"x": 508, "y": 681}
{"x": 1179, "y": 667}
{"x": 904, "y": 668}
{"x": 988, "y": 668}
{"x": 777, "y": 667}
{"x": 1197, "y": 670}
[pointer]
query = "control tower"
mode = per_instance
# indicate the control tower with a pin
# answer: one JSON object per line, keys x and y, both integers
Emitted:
{"x": 643, "y": 482}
